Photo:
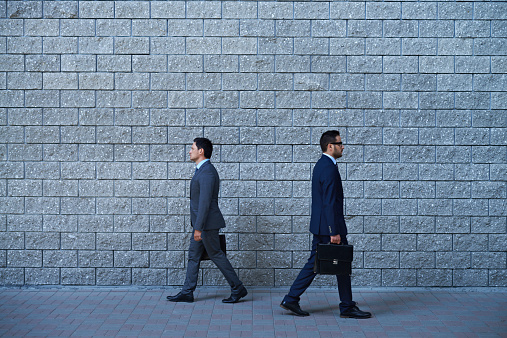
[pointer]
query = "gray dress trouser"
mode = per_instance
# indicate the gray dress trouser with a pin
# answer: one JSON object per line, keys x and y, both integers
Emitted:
{"x": 210, "y": 241}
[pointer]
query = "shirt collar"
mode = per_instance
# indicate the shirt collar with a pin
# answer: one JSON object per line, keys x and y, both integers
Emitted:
{"x": 331, "y": 157}
{"x": 202, "y": 162}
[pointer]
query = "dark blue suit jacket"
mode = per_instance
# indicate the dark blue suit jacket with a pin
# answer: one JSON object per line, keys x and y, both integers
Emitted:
{"x": 327, "y": 200}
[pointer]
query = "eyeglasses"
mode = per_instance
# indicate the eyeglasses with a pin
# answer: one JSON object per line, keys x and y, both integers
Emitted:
{"x": 338, "y": 143}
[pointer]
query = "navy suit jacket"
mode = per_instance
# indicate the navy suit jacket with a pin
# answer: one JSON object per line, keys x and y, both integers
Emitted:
{"x": 204, "y": 187}
{"x": 327, "y": 200}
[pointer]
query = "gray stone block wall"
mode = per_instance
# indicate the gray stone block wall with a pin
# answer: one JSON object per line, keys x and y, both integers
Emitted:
{"x": 100, "y": 102}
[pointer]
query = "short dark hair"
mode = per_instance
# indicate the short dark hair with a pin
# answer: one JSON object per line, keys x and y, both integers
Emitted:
{"x": 205, "y": 144}
{"x": 328, "y": 137}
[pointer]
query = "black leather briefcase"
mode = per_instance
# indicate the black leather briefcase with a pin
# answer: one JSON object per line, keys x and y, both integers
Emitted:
{"x": 333, "y": 259}
{"x": 223, "y": 247}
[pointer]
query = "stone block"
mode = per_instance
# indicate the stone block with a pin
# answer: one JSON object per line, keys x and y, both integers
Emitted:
{"x": 497, "y": 277}
{"x": 311, "y": 46}
{"x": 22, "y": 152}
{"x": 364, "y": 171}
{"x": 167, "y": 9}
{"x": 95, "y": 259}
{"x": 399, "y": 242}
{"x": 246, "y": 81}
{"x": 487, "y": 225}
{"x": 498, "y": 207}
{"x": 42, "y": 240}
{"x": 434, "y": 277}
{"x": 239, "y": 45}
{"x": 468, "y": 207}
{"x": 388, "y": 10}
{"x": 60, "y": 258}
{"x": 18, "y": 80}
{"x": 258, "y": 277}
{"x": 367, "y": 29}
{"x": 384, "y": 259}
{"x": 420, "y": 11}
{"x": 379, "y": 189}
{"x": 96, "y": 81}
{"x": 149, "y": 63}
{"x": 37, "y": 205}
{"x": 417, "y": 260}
{"x": 417, "y": 224}
{"x": 294, "y": 206}
{"x": 399, "y": 277}
{"x": 59, "y": 223}
{"x": 12, "y": 276}
{"x": 24, "y": 258}
{"x": 78, "y": 170}
{"x": 149, "y": 241}
{"x": 434, "y": 242}
{"x": 114, "y": 241}
{"x": 453, "y": 190}
{"x": 25, "y": 116}
{"x": 399, "y": 207}
{"x": 453, "y": 260}
{"x": 23, "y": 223}
{"x": 435, "y": 207}
{"x": 455, "y": 11}
{"x": 251, "y": 28}
{"x": 35, "y": 170}
{"x": 490, "y": 260}
{"x": 59, "y": 117}
{"x": 131, "y": 259}
{"x": 359, "y": 206}
{"x": 26, "y": 10}
{"x": 78, "y": 241}
{"x": 453, "y": 154}
{"x": 151, "y": 206}
{"x": 77, "y": 205}
{"x": 12, "y": 240}
{"x": 178, "y": 241}
{"x": 273, "y": 259}
{"x": 381, "y": 224}
{"x": 417, "y": 190}
{"x": 42, "y": 276}
{"x": 78, "y": 99}
{"x": 114, "y": 276}
{"x": 95, "y": 223}
{"x": 436, "y": 29}
{"x": 276, "y": 10}
{"x": 470, "y": 277}
{"x": 167, "y": 259}
{"x": 471, "y": 171}
{"x": 80, "y": 134}
{"x": 149, "y": 276}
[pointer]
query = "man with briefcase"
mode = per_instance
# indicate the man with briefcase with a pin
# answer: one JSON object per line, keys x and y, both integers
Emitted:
{"x": 206, "y": 219}
{"x": 330, "y": 252}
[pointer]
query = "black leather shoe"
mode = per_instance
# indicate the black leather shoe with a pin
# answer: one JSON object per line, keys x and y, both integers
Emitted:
{"x": 354, "y": 312}
{"x": 294, "y": 308}
{"x": 234, "y": 298}
{"x": 186, "y": 298}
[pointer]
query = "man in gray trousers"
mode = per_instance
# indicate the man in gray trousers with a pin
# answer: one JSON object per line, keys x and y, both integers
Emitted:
{"x": 206, "y": 219}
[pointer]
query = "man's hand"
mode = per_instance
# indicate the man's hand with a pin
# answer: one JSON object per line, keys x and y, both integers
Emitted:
{"x": 336, "y": 239}
{"x": 197, "y": 235}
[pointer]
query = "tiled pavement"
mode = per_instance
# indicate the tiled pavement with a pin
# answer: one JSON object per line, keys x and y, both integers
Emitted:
{"x": 145, "y": 312}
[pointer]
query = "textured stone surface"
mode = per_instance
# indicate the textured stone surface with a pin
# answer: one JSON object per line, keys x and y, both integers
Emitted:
{"x": 100, "y": 101}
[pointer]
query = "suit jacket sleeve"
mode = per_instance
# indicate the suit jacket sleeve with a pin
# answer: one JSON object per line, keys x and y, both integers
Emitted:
{"x": 206, "y": 184}
{"x": 333, "y": 203}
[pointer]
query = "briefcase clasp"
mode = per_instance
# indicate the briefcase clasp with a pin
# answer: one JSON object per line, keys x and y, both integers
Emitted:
{"x": 335, "y": 262}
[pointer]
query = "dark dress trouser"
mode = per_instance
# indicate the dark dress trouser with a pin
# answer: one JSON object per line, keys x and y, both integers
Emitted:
{"x": 210, "y": 241}
{"x": 306, "y": 276}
